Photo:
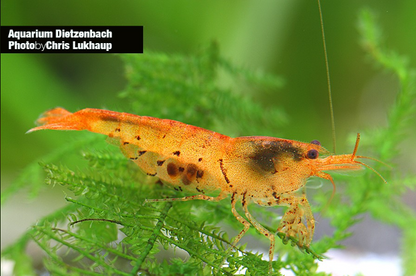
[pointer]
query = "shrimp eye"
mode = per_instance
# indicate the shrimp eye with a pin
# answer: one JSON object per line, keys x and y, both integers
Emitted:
{"x": 316, "y": 142}
{"x": 312, "y": 154}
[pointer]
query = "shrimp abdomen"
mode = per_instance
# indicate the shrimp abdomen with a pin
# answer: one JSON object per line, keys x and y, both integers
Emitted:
{"x": 173, "y": 151}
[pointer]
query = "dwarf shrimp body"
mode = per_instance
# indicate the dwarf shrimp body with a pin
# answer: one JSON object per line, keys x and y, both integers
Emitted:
{"x": 264, "y": 170}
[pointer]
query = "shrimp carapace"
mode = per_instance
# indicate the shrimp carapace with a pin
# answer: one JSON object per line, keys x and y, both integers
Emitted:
{"x": 265, "y": 170}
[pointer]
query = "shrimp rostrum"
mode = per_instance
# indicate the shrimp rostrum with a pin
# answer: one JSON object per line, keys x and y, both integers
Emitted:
{"x": 264, "y": 170}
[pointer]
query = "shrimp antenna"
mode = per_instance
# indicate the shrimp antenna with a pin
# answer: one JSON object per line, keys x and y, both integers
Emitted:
{"x": 357, "y": 141}
{"x": 328, "y": 78}
{"x": 371, "y": 168}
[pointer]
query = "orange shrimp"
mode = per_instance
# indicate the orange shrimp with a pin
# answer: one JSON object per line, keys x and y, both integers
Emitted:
{"x": 265, "y": 170}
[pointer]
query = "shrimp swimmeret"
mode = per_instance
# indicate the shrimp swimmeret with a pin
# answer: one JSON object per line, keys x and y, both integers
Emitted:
{"x": 265, "y": 170}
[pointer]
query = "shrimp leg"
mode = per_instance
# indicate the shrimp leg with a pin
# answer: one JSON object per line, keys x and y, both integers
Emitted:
{"x": 298, "y": 220}
{"x": 242, "y": 220}
{"x": 263, "y": 231}
{"x": 246, "y": 224}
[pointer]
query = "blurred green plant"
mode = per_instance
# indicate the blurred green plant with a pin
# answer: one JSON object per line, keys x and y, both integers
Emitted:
{"x": 107, "y": 229}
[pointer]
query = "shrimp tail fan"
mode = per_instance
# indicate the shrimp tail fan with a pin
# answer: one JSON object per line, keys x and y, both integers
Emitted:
{"x": 59, "y": 118}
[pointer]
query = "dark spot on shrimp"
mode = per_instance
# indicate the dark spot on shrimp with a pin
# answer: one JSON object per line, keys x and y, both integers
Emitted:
{"x": 200, "y": 159}
{"x": 172, "y": 170}
{"x": 190, "y": 174}
{"x": 110, "y": 118}
{"x": 152, "y": 174}
{"x": 160, "y": 162}
{"x": 243, "y": 200}
{"x": 137, "y": 138}
{"x": 199, "y": 190}
{"x": 141, "y": 152}
{"x": 191, "y": 170}
{"x": 164, "y": 136}
{"x": 126, "y": 143}
{"x": 199, "y": 174}
{"x": 267, "y": 153}
{"x": 233, "y": 197}
{"x": 224, "y": 171}
{"x": 133, "y": 158}
{"x": 181, "y": 169}
{"x": 117, "y": 129}
{"x": 276, "y": 196}
{"x": 177, "y": 153}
